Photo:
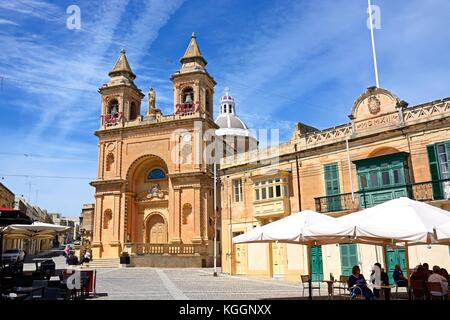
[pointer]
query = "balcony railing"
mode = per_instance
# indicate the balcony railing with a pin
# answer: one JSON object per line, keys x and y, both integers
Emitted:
{"x": 166, "y": 249}
{"x": 422, "y": 191}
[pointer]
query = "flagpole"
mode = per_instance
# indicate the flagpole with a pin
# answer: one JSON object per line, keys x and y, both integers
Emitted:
{"x": 375, "y": 65}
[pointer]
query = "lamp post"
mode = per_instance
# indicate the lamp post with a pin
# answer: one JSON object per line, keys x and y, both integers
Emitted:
{"x": 215, "y": 218}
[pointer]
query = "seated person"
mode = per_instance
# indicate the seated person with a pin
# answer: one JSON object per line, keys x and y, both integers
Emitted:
{"x": 73, "y": 260}
{"x": 384, "y": 282}
{"x": 399, "y": 279}
{"x": 420, "y": 275}
{"x": 436, "y": 277}
{"x": 86, "y": 257}
{"x": 445, "y": 274}
{"x": 357, "y": 284}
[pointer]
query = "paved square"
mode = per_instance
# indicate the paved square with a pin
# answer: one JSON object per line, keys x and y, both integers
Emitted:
{"x": 192, "y": 284}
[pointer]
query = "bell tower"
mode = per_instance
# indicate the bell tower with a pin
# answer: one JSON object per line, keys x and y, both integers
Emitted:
{"x": 193, "y": 86}
{"x": 121, "y": 98}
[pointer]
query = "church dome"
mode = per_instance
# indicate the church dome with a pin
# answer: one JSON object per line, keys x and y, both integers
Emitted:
{"x": 229, "y": 123}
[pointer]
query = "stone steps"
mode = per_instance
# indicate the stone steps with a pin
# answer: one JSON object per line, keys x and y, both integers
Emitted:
{"x": 102, "y": 264}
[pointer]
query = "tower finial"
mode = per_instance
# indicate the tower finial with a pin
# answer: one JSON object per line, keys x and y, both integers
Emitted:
{"x": 193, "y": 53}
{"x": 122, "y": 50}
{"x": 122, "y": 67}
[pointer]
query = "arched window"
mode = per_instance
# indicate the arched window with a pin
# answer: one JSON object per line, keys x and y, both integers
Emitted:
{"x": 113, "y": 107}
{"x": 156, "y": 174}
{"x": 133, "y": 111}
{"x": 187, "y": 95}
{"x": 109, "y": 161}
{"x": 207, "y": 102}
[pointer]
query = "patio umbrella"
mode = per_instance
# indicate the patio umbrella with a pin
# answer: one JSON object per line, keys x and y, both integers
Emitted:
{"x": 400, "y": 220}
{"x": 34, "y": 231}
{"x": 286, "y": 230}
{"x": 442, "y": 233}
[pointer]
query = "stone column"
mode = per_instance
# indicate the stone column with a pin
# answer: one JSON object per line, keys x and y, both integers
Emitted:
{"x": 101, "y": 152}
{"x": 176, "y": 228}
{"x": 97, "y": 238}
{"x": 197, "y": 238}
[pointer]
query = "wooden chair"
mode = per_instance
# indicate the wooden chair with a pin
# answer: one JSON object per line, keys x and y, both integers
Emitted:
{"x": 38, "y": 288}
{"x": 305, "y": 284}
{"x": 342, "y": 284}
{"x": 419, "y": 289}
{"x": 435, "y": 290}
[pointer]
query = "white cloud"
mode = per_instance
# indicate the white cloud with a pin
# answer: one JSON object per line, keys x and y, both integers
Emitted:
{"x": 34, "y": 8}
{"x": 8, "y": 22}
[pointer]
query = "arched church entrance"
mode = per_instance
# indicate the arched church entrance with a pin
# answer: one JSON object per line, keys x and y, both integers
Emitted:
{"x": 148, "y": 200}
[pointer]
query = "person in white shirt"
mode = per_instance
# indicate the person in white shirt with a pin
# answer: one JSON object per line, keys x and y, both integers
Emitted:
{"x": 436, "y": 277}
{"x": 87, "y": 256}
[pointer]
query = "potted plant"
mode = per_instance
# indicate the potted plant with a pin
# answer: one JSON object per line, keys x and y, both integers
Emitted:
{"x": 124, "y": 259}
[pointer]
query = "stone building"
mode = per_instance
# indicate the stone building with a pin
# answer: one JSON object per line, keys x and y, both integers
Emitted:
{"x": 87, "y": 222}
{"x": 153, "y": 192}
{"x": 387, "y": 150}
{"x": 6, "y": 197}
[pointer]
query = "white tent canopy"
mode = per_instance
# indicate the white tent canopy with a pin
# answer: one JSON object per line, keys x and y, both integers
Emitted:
{"x": 398, "y": 220}
{"x": 288, "y": 229}
{"x": 443, "y": 232}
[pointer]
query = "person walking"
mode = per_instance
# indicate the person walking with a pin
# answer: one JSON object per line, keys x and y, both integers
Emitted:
{"x": 67, "y": 253}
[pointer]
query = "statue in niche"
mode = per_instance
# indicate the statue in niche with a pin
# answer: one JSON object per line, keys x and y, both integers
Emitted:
{"x": 155, "y": 191}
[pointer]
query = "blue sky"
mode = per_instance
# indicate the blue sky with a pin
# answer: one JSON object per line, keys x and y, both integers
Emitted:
{"x": 284, "y": 61}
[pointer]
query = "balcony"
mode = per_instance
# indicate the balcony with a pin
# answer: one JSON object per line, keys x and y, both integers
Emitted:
{"x": 165, "y": 249}
{"x": 422, "y": 191}
{"x": 271, "y": 208}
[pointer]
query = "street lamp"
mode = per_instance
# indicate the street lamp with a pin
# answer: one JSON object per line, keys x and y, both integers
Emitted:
{"x": 215, "y": 217}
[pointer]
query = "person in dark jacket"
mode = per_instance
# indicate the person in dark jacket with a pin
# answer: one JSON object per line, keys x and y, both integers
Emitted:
{"x": 421, "y": 275}
{"x": 399, "y": 279}
{"x": 357, "y": 285}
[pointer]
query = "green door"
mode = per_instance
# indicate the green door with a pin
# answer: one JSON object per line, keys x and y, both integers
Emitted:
{"x": 332, "y": 187}
{"x": 395, "y": 256}
{"x": 349, "y": 258}
{"x": 316, "y": 263}
{"x": 382, "y": 179}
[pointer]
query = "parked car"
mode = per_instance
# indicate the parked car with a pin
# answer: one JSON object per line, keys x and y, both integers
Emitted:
{"x": 13, "y": 256}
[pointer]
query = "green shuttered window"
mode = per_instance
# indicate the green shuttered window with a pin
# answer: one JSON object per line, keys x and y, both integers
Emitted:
{"x": 332, "y": 186}
{"x": 349, "y": 258}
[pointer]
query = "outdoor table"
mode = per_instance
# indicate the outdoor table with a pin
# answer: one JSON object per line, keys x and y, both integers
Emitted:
{"x": 381, "y": 288}
{"x": 330, "y": 284}
{"x": 39, "y": 261}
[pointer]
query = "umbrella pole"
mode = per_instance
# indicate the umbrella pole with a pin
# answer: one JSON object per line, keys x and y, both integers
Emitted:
{"x": 407, "y": 267}
{"x": 309, "y": 272}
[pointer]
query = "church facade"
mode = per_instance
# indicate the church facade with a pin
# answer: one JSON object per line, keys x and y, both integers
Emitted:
{"x": 154, "y": 188}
